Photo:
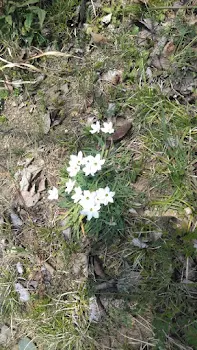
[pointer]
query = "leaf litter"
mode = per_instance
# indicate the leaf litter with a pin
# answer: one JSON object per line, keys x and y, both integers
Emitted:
{"x": 32, "y": 183}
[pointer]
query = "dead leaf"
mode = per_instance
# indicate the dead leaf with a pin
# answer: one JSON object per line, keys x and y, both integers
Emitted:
{"x": 128, "y": 280}
{"x": 29, "y": 174}
{"x": 66, "y": 230}
{"x": 15, "y": 220}
{"x": 30, "y": 198}
{"x": 143, "y": 36}
{"x": 169, "y": 49}
{"x": 96, "y": 309}
{"x": 112, "y": 76}
{"x": 19, "y": 268}
{"x": 24, "y": 295}
{"x": 109, "y": 285}
{"x": 133, "y": 212}
{"x": 111, "y": 110}
{"x": 98, "y": 269}
{"x": 65, "y": 89}
{"x": 138, "y": 243}
{"x": 46, "y": 275}
{"x": 25, "y": 163}
{"x": 42, "y": 184}
{"x": 80, "y": 265}
{"x": 94, "y": 312}
{"x": 46, "y": 123}
{"x": 32, "y": 183}
{"x": 148, "y": 24}
{"x": 98, "y": 38}
{"x": 5, "y": 335}
{"x": 49, "y": 267}
{"x": 160, "y": 63}
{"x": 121, "y": 132}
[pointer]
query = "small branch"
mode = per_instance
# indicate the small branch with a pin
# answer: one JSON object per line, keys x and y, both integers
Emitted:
{"x": 94, "y": 10}
{"x": 18, "y": 65}
{"x": 53, "y": 53}
{"x": 17, "y": 82}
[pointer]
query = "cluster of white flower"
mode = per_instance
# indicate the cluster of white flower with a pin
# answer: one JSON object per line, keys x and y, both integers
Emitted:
{"x": 90, "y": 201}
{"x": 107, "y": 128}
{"x": 90, "y": 165}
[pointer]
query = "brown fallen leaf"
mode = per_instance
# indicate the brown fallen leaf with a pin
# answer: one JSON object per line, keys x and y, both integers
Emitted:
{"x": 110, "y": 285}
{"x": 98, "y": 38}
{"x": 30, "y": 197}
{"x": 161, "y": 63}
{"x": 169, "y": 49}
{"x": 112, "y": 76}
{"x": 98, "y": 269}
{"x": 32, "y": 183}
{"x": 121, "y": 132}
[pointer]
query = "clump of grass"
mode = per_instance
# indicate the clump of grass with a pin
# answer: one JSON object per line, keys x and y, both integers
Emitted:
{"x": 117, "y": 173}
{"x": 59, "y": 15}
{"x": 55, "y": 317}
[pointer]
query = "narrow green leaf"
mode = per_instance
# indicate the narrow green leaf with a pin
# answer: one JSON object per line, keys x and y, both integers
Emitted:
{"x": 26, "y": 3}
{"x": 9, "y": 19}
{"x": 11, "y": 9}
{"x": 28, "y": 21}
{"x": 41, "y": 15}
{"x": 29, "y": 2}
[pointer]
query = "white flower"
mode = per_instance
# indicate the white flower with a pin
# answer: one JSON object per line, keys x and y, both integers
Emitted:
{"x": 95, "y": 127}
{"x": 69, "y": 186}
{"x": 53, "y": 194}
{"x": 78, "y": 194}
{"x": 87, "y": 199}
{"x": 76, "y": 160}
{"x": 104, "y": 196}
{"x": 107, "y": 128}
{"x": 90, "y": 208}
{"x": 88, "y": 160}
{"x": 73, "y": 170}
{"x": 93, "y": 164}
{"x": 74, "y": 164}
{"x": 91, "y": 212}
